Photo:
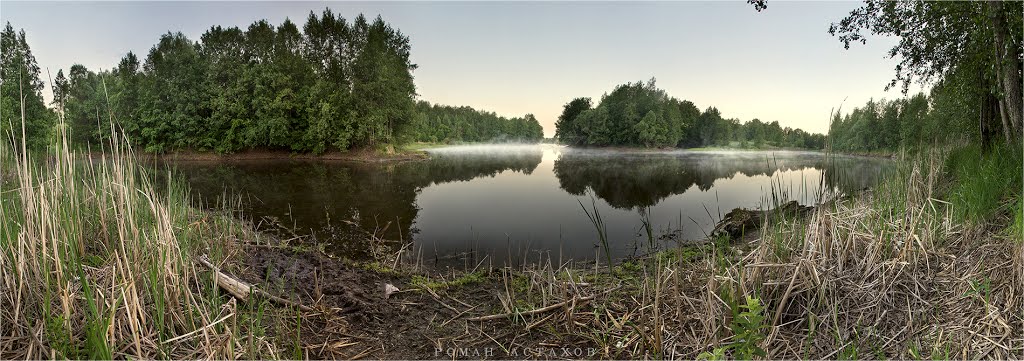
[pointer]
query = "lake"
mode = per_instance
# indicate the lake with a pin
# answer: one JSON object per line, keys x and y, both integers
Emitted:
{"x": 519, "y": 203}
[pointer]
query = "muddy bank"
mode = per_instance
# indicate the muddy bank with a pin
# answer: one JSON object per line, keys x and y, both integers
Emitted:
{"x": 428, "y": 318}
{"x": 567, "y": 311}
{"x": 678, "y": 303}
{"x": 534, "y": 312}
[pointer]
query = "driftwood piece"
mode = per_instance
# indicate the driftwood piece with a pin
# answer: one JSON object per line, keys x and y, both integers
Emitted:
{"x": 234, "y": 286}
{"x": 574, "y": 300}
{"x": 741, "y": 221}
{"x": 241, "y": 290}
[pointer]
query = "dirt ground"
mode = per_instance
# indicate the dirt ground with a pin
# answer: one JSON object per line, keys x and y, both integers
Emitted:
{"x": 354, "y": 320}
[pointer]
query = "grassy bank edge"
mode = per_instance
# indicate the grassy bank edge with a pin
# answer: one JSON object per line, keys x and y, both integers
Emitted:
{"x": 97, "y": 263}
{"x": 761, "y": 296}
{"x": 927, "y": 265}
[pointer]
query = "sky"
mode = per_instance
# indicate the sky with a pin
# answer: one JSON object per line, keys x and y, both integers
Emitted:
{"x": 515, "y": 58}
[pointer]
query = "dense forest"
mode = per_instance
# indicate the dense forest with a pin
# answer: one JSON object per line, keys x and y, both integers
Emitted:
{"x": 889, "y": 125}
{"x": 640, "y": 114}
{"x": 447, "y": 124}
{"x": 969, "y": 52}
{"x": 333, "y": 85}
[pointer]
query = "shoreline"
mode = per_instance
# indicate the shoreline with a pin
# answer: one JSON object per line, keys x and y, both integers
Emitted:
{"x": 419, "y": 152}
{"x": 676, "y": 301}
{"x": 880, "y": 155}
{"x": 801, "y": 269}
{"x": 356, "y": 155}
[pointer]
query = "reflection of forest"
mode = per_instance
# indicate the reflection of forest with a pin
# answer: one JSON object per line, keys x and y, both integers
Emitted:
{"x": 633, "y": 180}
{"x": 445, "y": 167}
{"x": 315, "y": 198}
{"x": 318, "y": 198}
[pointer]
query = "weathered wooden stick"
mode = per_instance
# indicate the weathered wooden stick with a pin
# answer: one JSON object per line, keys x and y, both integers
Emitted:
{"x": 235, "y": 287}
{"x": 578, "y": 301}
{"x": 242, "y": 290}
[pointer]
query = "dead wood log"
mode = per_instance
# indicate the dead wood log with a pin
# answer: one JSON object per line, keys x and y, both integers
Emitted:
{"x": 234, "y": 286}
{"x": 741, "y": 221}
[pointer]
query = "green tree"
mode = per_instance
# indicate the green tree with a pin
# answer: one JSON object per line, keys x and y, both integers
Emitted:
{"x": 175, "y": 98}
{"x": 937, "y": 37}
{"x": 382, "y": 88}
{"x": 640, "y": 114}
{"x": 21, "y": 92}
{"x": 567, "y": 130}
{"x": 652, "y": 130}
{"x": 125, "y": 100}
{"x": 85, "y": 106}
{"x": 61, "y": 87}
{"x": 442, "y": 123}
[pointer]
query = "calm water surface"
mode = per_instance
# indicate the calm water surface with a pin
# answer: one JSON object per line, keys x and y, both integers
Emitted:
{"x": 511, "y": 204}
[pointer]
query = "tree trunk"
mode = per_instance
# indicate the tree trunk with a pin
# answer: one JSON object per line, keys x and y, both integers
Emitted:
{"x": 1007, "y": 131}
{"x": 983, "y": 116}
{"x": 1009, "y": 78}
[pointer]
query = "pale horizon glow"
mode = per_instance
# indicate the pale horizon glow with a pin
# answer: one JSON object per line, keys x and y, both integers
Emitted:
{"x": 518, "y": 58}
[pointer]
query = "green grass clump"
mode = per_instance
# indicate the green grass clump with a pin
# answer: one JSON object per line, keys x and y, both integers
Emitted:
{"x": 1016, "y": 230}
{"x": 465, "y": 279}
{"x": 983, "y": 183}
{"x": 377, "y": 267}
{"x": 748, "y": 328}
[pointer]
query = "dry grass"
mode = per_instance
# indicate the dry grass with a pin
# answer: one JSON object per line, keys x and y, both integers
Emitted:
{"x": 97, "y": 263}
{"x": 888, "y": 274}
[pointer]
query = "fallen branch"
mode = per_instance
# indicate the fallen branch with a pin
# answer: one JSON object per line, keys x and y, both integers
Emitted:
{"x": 576, "y": 300}
{"x": 241, "y": 290}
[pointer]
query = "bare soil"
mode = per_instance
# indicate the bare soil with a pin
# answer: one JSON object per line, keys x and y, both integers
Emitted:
{"x": 355, "y": 320}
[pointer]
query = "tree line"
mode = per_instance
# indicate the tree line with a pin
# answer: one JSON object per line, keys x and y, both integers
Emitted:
{"x": 971, "y": 52}
{"x": 446, "y": 124}
{"x": 641, "y": 115}
{"x": 914, "y": 122}
{"x": 334, "y": 84}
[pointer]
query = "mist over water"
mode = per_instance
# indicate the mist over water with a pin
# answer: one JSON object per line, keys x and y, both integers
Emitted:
{"x": 514, "y": 203}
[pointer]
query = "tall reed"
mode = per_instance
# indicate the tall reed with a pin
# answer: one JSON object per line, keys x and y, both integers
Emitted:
{"x": 96, "y": 263}
{"x": 599, "y": 225}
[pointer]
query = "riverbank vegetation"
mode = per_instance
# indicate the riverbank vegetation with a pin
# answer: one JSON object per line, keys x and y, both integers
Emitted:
{"x": 897, "y": 272}
{"x": 970, "y": 52}
{"x": 331, "y": 86}
{"x": 97, "y": 262}
{"x": 100, "y": 264}
{"x": 641, "y": 115}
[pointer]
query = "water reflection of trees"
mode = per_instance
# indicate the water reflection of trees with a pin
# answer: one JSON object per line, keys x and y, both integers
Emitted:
{"x": 452, "y": 166}
{"x": 645, "y": 179}
{"x": 337, "y": 201}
